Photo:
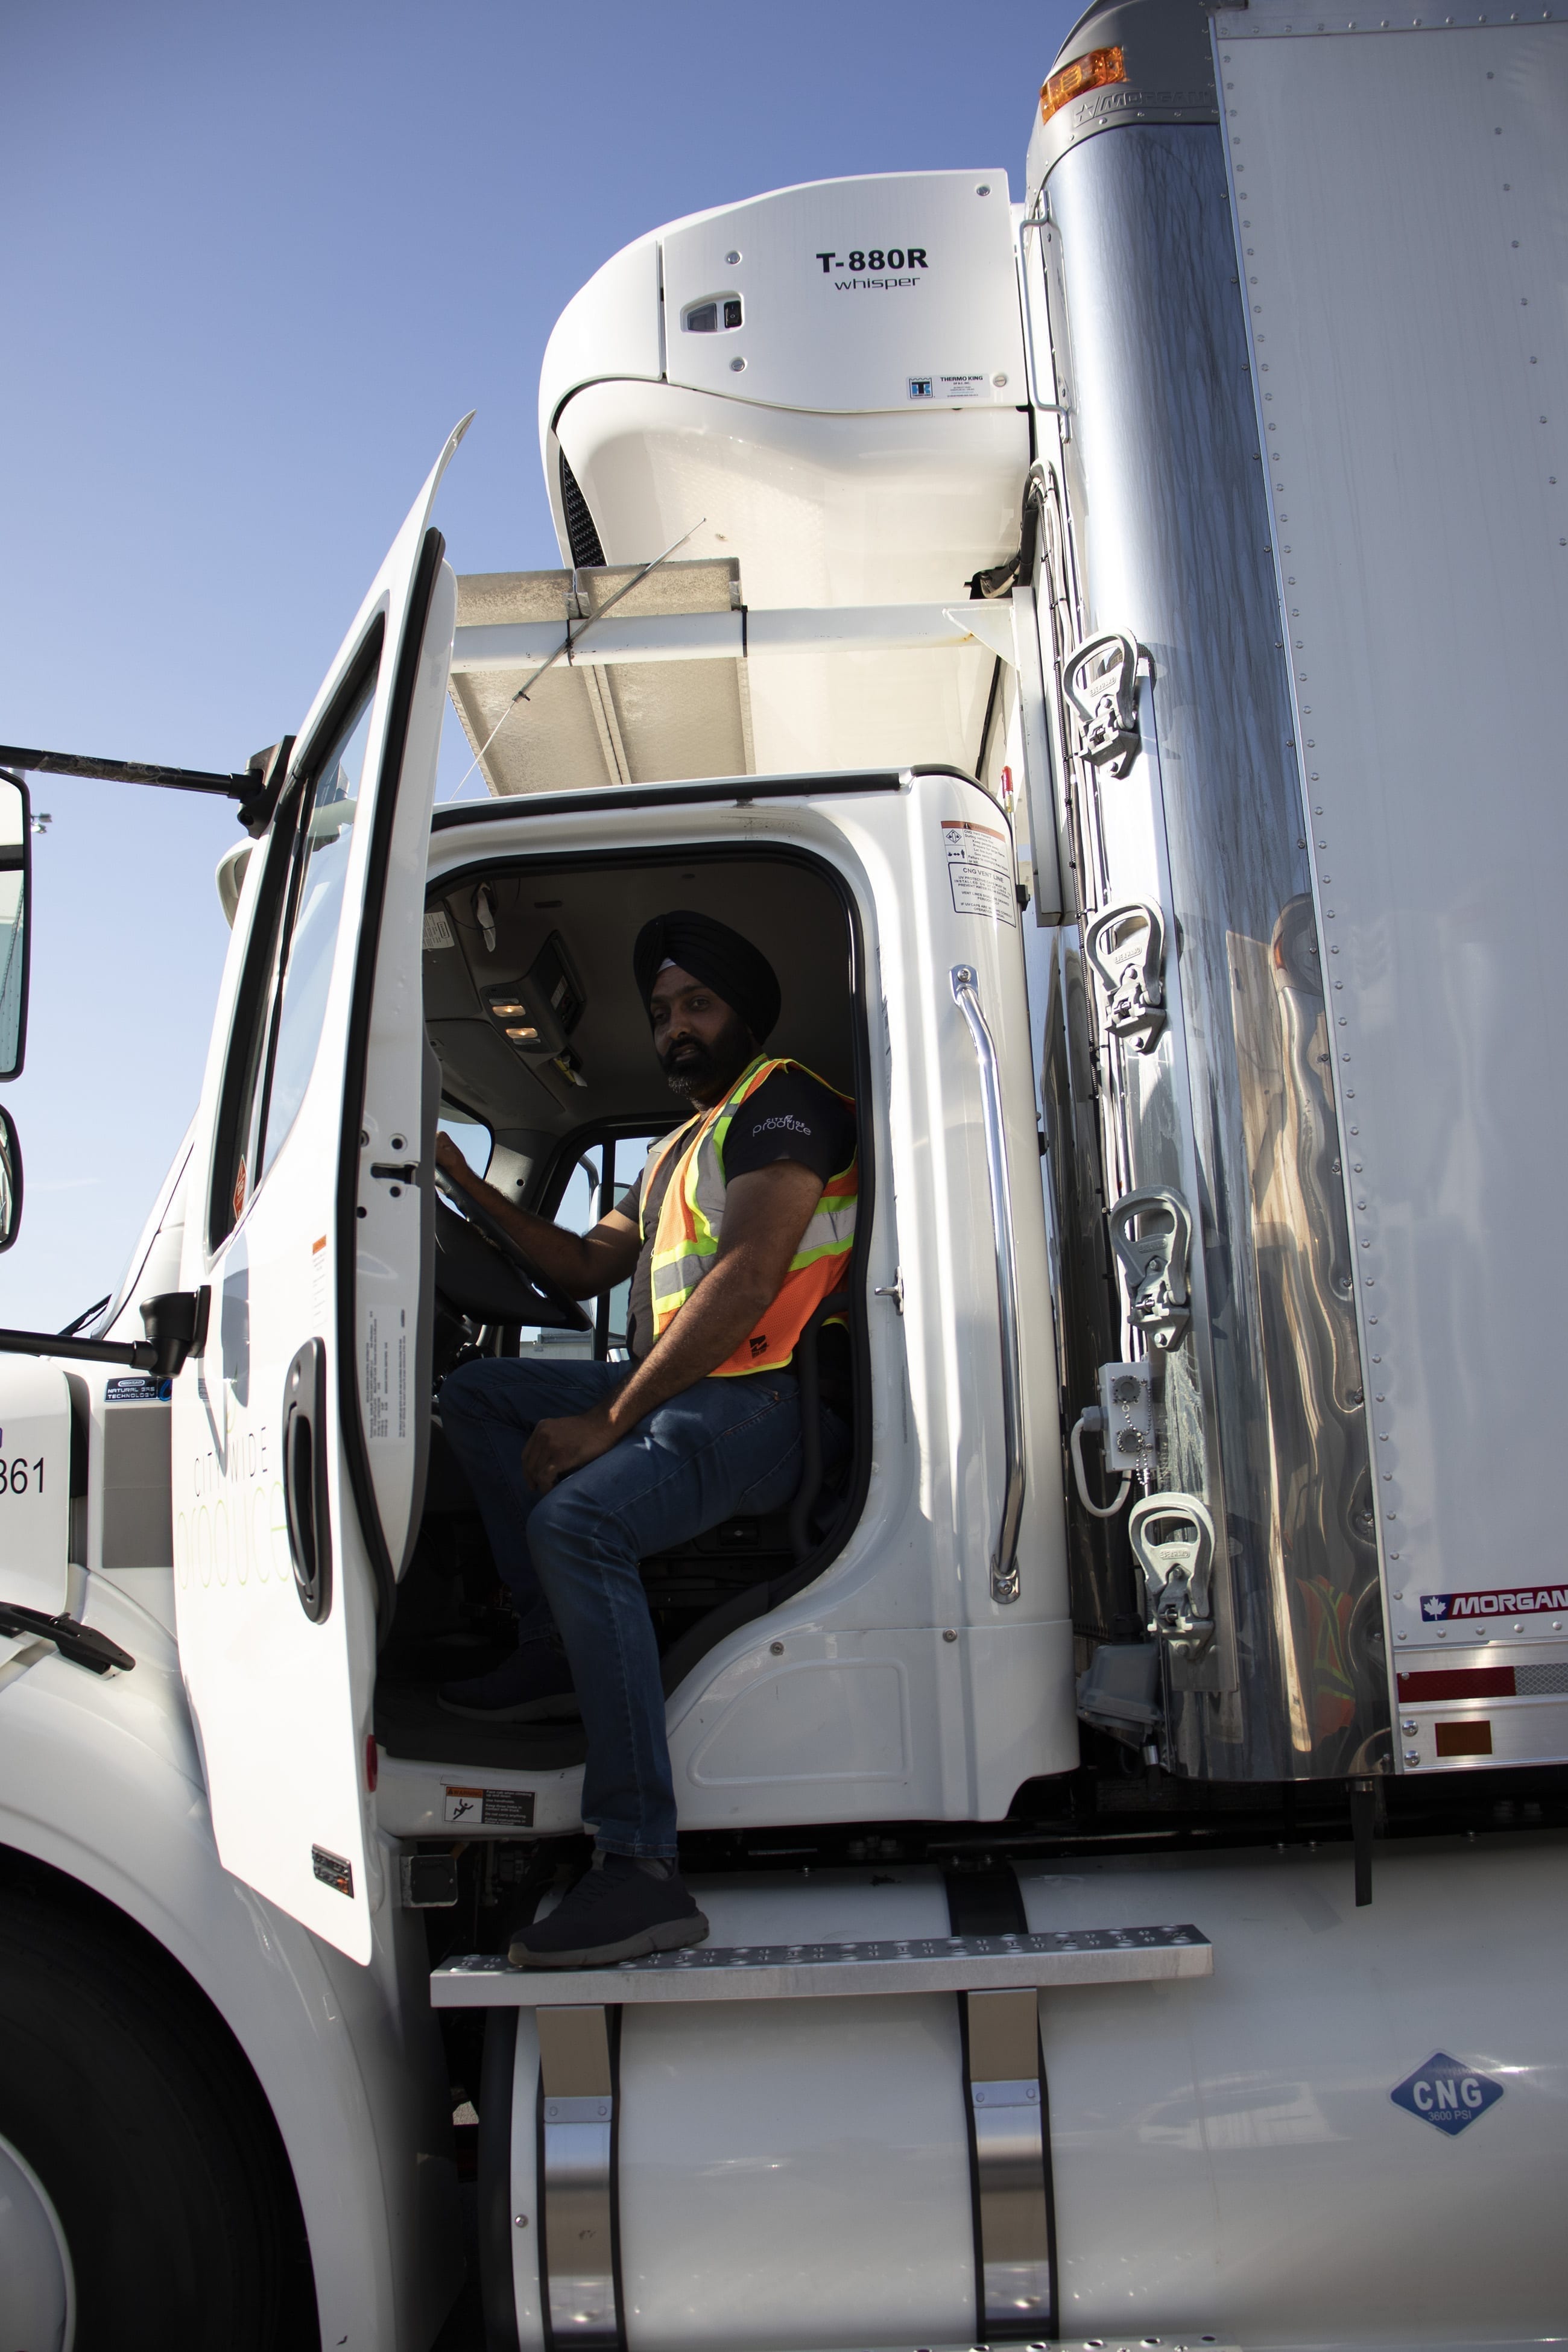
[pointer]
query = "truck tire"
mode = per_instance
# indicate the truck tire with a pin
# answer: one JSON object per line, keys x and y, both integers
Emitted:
{"x": 123, "y": 2093}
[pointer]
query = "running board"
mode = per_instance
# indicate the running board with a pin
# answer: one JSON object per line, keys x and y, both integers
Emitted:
{"x": 805, "y": 1971}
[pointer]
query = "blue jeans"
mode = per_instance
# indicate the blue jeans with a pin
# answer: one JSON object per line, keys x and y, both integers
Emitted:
{"x": 569, "y": 1559}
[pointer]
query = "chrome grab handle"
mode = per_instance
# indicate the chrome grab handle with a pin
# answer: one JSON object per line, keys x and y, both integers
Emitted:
{"x": 1005, "y": 1560}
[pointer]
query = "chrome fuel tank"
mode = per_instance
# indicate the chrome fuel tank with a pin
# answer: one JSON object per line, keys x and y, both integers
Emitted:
{"x": 1228, "y": 1105}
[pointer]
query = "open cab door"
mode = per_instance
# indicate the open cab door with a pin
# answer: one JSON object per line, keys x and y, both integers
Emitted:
{"x": 300, "y": 1425}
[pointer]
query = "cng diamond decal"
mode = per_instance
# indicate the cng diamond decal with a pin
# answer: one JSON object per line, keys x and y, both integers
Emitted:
{"x": 1447, "y": 2094}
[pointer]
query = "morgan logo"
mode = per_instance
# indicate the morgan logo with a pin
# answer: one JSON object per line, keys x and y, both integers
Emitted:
{"x": 1446, "y": 2094}
{"x": 1535, "y": 1601}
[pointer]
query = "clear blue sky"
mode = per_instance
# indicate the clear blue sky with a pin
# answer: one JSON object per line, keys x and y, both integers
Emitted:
{"x": 255, "y": 262}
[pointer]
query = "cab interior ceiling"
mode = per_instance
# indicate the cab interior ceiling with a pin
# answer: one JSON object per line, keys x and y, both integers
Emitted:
{"x": 582, "y": 916}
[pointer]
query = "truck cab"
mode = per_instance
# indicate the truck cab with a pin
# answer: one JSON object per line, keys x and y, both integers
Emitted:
{"x": 936, "y": 608}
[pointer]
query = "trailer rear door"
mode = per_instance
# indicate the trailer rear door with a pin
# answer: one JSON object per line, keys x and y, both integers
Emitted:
{"x": 299, "y": 1433}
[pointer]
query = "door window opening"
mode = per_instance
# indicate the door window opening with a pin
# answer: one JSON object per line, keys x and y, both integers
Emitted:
{"x": 283, "y": 997}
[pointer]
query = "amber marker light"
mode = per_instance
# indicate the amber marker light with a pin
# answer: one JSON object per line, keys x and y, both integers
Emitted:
{"x": 1093, "y": 73}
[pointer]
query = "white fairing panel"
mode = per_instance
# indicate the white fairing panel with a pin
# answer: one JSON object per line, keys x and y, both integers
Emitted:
{"x": 281, "y": 1692}
{"x": 1404, "y": 244}
{"x": 820, "y": 510}
{"x": 34, "y": 1483}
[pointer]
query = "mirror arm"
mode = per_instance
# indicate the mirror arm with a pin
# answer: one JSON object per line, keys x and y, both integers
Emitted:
{"x": 139, "y": 1354}
{"x": 176, "y": 1323}
{"x": 256, "y": 788}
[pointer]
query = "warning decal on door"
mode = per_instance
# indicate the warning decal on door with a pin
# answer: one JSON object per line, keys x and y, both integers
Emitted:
{"x": 511, "y": 1809}
{"x": 980, "y": 870}
{"x": 386, "y": 1362}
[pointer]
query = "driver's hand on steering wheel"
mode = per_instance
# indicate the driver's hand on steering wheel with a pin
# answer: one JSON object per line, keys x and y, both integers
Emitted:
{"x": 451, "y": 1162}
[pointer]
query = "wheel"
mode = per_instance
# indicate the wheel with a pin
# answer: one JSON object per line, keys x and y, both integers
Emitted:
{"x": 148, "y": 2186}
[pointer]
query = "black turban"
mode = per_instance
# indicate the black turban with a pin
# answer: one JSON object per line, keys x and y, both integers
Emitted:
{"x": 717, "y": 956}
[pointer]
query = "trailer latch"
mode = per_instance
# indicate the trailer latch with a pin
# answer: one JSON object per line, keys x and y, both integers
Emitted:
{"x": 1099, "y": 679}
{"x": 1155, "y": 1260}
{"x": 1172, "y": 1536}
{"x": 83, "y": 1645}
{"x": 1126, "y": 946}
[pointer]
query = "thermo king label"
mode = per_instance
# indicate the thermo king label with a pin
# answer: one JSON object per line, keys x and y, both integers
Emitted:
{"x": 1535, "y": 1601}
{"x": 980, "y": 870}
{"x": 1446, "y": 2094}
{"x": 949, "y": 387}
{"x": 508, "y": 1809}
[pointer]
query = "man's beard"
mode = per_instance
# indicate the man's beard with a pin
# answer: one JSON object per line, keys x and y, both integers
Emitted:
{"x": 705, "y": 1070}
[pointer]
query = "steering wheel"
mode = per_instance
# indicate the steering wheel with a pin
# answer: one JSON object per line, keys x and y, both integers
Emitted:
{"x": 481, "y": 1271}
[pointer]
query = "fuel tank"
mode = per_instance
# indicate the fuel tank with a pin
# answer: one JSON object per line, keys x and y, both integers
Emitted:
{"x": 1297, "y": 2149}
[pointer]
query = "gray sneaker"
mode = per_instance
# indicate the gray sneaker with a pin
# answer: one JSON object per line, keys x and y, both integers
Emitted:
{"x": 533, "y": 1685}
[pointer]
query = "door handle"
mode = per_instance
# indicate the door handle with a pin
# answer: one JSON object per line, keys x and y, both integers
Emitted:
{"x": 1004, "y": 1559}
{"x": 305, "y": 1479}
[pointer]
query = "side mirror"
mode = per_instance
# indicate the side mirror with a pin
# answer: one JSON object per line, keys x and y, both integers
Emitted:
{"x": 175, "y": 1322}
{"x": 15, "y": 885}
{"x": 10, "y": 1181}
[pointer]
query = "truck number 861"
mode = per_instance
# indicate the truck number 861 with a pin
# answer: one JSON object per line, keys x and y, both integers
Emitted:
{"x": 20, "y": 1476}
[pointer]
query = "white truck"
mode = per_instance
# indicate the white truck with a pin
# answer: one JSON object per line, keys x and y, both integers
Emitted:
{"x": 1107, "y": 651}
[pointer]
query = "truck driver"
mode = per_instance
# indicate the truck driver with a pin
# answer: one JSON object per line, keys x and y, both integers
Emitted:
{"x": 741, "y": 1224}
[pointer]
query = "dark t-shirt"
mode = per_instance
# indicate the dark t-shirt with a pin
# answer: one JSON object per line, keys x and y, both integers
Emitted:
{"x": 792, "y": 1116}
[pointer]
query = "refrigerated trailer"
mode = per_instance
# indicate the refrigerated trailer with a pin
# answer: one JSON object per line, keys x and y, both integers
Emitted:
{"x": 1106, "y": 650}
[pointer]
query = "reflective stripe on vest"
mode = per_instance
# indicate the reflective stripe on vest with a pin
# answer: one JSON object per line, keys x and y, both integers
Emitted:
{"x": 692, "y": 1211}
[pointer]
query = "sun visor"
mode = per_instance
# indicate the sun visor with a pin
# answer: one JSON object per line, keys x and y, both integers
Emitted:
{"x": 589, "y": 719}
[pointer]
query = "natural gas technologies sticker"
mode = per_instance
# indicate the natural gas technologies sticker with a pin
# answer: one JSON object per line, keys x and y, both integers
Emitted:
{"x": 980, "y": 870}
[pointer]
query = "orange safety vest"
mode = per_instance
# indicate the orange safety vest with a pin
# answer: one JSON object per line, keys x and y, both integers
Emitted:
{"x": 692, "y": 1211}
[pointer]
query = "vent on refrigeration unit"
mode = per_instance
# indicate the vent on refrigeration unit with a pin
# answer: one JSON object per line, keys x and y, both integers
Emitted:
{"x": 582, "y": 537}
